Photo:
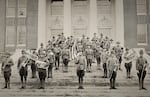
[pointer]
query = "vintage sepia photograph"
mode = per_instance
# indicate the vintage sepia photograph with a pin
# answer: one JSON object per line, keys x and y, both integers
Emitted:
{"x": 74, "y": 48}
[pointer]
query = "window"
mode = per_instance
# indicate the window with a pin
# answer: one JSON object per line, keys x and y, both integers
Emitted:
{"x": 11, "y": 8}
{"x": 22, "y": 8}
{"x": 141, "y": 7}
{"x": 142, "y": 34}
{"x": 16, "y": 22}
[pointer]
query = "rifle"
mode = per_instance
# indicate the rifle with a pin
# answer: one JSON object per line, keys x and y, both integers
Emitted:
{"x": 142, "y": 75}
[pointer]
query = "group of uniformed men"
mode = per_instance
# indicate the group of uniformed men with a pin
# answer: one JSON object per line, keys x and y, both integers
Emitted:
{"x": 84, "y": 52}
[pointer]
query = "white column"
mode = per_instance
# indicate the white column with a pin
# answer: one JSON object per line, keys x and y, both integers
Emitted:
{"x": 67, "y": 17}
{"x": 41, "y": 22}
{"x": 119, "y": 21}
{"x": 93, "y": 18}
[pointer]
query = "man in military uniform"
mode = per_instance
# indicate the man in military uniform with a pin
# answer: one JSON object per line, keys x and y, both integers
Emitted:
{"x": 57, "y": 52}
{"x": 51, "y": 60}
{"x": 81, "y": 63}
{"x": 49, "y": 46}
{"x": 112, "y": 67}
{"x": 118, "y": 52}
{"x": 41, "y": 49}
{"x": 63, "y": 38}
{"x": 65, "y": 57}
{"x": 42, "y": 66}
{"x": 104, "y": 61}
{"x": 128, "y": 65}
{"x": 89, "y": 57}
{"x": 6, "y": 69}
{"x": 23, "y": 68}
{"x": 88, "y": 42}
{"x": 58, "y": 41}
{"x": 98, "y": 55}
{"x": 95, "y": 38}
{"x": 141, "y": 65}
{"x": 79, "y": 47}
{"x": 53, "y": 40}
{"x": 106, "y": 43}
{"x": 33, "y": 65}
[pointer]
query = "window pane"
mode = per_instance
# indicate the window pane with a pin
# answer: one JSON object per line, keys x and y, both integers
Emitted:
{"x": 21, "y": 12}
{"x": 10, "y": 35}
{"x": 11, "y": 3}
{"x": 141, "y": 7}
{"x": 21, "y": 35}
{"x": 142, "y": 33}
{"x": 11, "y": 12}
{"x": 10, "y": 21}
{"x": 22, "y": 3}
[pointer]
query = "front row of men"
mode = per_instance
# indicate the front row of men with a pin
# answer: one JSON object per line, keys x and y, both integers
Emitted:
{"x": 45, "y": 61}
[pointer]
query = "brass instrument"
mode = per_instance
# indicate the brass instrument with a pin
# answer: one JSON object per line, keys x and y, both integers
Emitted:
{"x": 39, "y": 63}
{"x": 130, "y": 57}
{"x": 24, "y": 63}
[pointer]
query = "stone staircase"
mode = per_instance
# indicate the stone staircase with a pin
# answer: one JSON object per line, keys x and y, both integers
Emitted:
{"x": 66, "y": 84}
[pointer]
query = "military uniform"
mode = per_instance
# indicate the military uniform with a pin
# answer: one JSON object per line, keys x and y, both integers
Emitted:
{"x": 65, "y": 58}
{"x": 23, "y": 69}
{"x": 42, "y": 69}
{"x": 6, "y": 69}
{"x": 79, "y": 47}
{"x": 33, "y": 66}
{"x": 119, "y": 52}
{"x": 112, "y": 67}
{"x": 98, "y": 55}
{"x": 57, "y": 52}
{"x": 81, "y": 62}
{"x": 141, "y": 64}
{"x": 89, "y": 57}
{"x": 51, "y": 60}
{"x": 104, "y": 62}
{"x": 128, "y": 65}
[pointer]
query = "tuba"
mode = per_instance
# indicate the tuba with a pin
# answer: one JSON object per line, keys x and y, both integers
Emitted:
{"x": 130, "y": 57}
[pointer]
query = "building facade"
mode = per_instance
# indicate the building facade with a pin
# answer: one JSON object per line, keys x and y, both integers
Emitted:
{"x": 27, "y": 23}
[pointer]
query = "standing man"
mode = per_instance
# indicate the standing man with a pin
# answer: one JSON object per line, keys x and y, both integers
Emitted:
{"x": 42, "y": 65}
{"x": 81, "y": 63}
{"x": 57, "y": 52}
{"x": 119, "y": 52}
{"x": 41, "y": 49}
{"x": 104, "y": 62}
{"x": 113, "y": 67}
{"x": 98, "y": 55}
{"x": 23, "y": 69}
{"x": 65, "y": 57}
{"x": 6, "y": 69}
{"x": 128, "y": 64}
{"x": 33, "y": 65}
{"x": 141, "y": 65}
{"x": 51, "y": 60}
{"x": 89, "y": 57}
{"x": 95, "y": 38}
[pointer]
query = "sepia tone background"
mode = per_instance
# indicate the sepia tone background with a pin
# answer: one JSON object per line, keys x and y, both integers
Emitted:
{"x": 27, "y": 23}
{"x": 24, "y": 24}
